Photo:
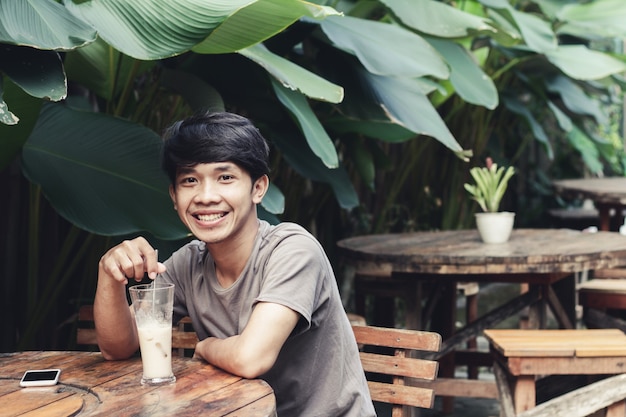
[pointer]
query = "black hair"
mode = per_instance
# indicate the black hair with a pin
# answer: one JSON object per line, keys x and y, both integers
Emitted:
{"x": 215, "y": 137}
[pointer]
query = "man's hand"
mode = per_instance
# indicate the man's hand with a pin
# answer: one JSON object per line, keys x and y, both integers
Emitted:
{"x": 130, "y": 259}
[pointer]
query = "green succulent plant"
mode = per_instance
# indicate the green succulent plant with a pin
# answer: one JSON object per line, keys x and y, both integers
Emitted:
{"x": 491, "y": 183}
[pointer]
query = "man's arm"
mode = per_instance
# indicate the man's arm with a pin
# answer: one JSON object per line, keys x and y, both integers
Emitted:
{"x": 115, "y": 326}
{"x": 254, "y": 351}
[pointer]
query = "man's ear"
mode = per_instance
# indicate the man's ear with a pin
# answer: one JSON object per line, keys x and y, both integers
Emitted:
{"x": 259, "y": 188}
{"x": 173, "y": 195}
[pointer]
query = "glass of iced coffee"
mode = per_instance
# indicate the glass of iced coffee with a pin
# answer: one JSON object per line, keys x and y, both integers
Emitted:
{"x": 152, "y": 305}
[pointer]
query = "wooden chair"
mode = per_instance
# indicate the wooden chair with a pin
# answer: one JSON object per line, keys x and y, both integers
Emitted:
{"x": 184, "y": 338}
{"x": 399, "y": 366}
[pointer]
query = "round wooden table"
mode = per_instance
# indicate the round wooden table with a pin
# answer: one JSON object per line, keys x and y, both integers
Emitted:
{"x": 542, "y": 260}
{"x": 92, "y": 386}
{"x": 462, "y": 253}
{"x": 607, "y": 194}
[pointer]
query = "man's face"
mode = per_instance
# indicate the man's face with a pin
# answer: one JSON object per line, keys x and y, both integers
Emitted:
{"x": 217, "y": 201}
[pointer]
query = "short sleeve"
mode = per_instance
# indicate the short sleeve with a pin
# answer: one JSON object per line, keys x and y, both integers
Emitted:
{"x": 294, "y": 275}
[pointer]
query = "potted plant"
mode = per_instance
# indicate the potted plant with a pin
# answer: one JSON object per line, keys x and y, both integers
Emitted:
{"x": 490, "y": 185}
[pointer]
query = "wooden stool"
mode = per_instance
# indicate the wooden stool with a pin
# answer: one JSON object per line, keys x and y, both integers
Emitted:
{"x": 521, "y": 357}
{"x": 603, "y": 302}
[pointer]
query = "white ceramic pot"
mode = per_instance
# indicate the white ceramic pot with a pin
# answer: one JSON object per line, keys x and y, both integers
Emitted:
{"x": 495, "y": 227}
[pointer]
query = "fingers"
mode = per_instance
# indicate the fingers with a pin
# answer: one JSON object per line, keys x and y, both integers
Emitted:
{"x": 131, "y": 259}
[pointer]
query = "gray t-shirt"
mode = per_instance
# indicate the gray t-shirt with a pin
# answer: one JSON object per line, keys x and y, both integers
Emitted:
{"x": 318, "y": 371}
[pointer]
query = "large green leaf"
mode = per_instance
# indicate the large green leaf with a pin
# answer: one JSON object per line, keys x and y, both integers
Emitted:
{"x": 102, "y": 69}
{"x": 517, "y": 107}
{"x": 385, "y": 49}
{"x": 197, "y": 93}
{"x": 437, "y": 18}
{"x": 293, "y": 76}
{"x": 407, "y": 104}
{"x": 468, "y": 79}
{"x": 301, "y": 158}
{"x": 257, "y": 22}
{"x": 587, "y": 149}
{"x": 39, "y": 73}
{"x": 575, "y": 99}
{"x": 536, "y": 32}
{"x": 552, "y": 7}
{"x": 563, "y": 120}
{"x": 384, "y": 130}
{"x": 314, "y": 132}
{"x": 155, "y": 29}
{"x": 582, "y": 63}
{"x": 274, "y": 200}
{"x": 594, "y": 18}
{"x": 101, "y": 173}
{"x": 42, "y": 24}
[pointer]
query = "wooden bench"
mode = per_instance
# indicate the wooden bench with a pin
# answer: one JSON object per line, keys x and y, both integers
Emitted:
{"x": 603, "y": 302}
{"x": 522, "y": 357}
{"x": 399, "y": 365}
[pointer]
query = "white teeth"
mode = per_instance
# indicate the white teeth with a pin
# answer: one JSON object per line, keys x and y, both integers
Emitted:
{"x": 209, "y": 217}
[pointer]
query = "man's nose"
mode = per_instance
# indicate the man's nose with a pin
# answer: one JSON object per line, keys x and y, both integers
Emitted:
{"x": 207, "y": 193}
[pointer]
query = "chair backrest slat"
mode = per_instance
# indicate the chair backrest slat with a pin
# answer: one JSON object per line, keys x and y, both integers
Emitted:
{"x": 401, "y": 394}
{"x": 409, "y": 367}
{"x": 397, "y": 338}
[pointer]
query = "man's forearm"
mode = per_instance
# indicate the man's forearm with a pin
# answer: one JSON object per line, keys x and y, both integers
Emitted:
{"x": 115, "y": 326}
{"x": 230, "y": 355}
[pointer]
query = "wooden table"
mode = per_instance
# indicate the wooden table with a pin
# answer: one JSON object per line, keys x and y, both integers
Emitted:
{"x": 607, "y": 194}
{"x": 538, "y": 258}
{"x": 527, "y": 355}
{"x": 92, "y": 386}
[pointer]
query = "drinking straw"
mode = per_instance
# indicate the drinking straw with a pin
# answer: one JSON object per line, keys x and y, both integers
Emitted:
{"x": 156, "y": 251}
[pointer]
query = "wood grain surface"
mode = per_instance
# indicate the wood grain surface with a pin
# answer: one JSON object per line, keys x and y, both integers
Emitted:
{"x": 92, "y": 386}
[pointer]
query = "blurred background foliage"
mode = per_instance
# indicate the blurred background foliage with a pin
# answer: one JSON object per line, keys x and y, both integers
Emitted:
{"x": 375, "y": 111}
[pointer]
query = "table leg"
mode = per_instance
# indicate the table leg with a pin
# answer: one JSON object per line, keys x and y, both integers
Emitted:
{"x": 605, "y": 216}
{"x": 524, "y": 395}
{"x": 471, "y": 313}
{"x": 445, "y": 314}
{"x": 413, "y": 315}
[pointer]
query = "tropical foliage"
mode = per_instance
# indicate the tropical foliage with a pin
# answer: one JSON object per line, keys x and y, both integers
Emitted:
{"x": 373, "y": 109}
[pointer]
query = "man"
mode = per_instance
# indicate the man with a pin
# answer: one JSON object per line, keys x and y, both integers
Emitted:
{"x": 263, "y": 299}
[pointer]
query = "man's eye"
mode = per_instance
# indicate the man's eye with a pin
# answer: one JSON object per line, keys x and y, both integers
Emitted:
{"x": 226, "y": 177}
{"x": 187, "y": 180}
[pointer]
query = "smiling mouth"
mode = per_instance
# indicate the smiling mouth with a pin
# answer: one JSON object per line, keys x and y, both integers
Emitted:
{"x": 209, "y": 217}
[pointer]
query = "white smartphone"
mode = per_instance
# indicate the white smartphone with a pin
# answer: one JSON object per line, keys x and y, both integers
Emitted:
{"x": 40, "y": 377}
